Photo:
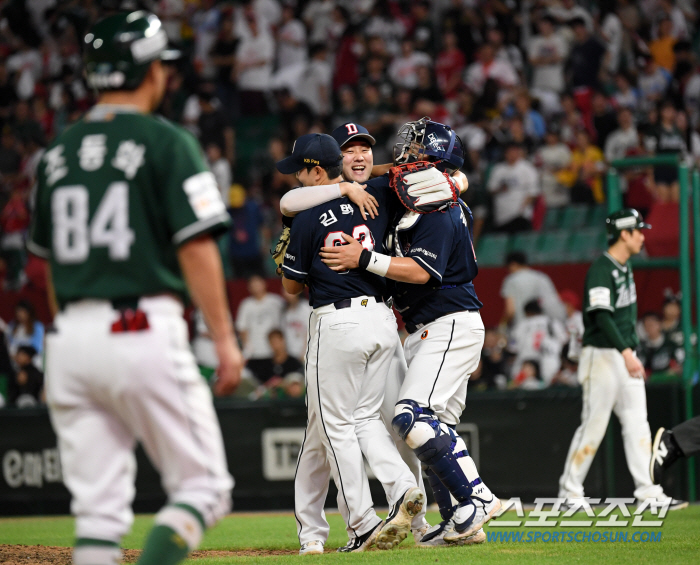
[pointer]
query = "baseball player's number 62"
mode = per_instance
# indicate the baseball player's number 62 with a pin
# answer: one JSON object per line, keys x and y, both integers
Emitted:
{"x": 73, "y": 235}
{"x": 360, "y": 233}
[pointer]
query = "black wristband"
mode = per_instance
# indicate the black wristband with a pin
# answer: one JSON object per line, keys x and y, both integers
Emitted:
{"x": 364, "y": 260}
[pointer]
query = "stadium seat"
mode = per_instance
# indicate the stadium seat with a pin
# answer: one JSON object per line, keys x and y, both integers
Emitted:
{"x": 492, "y": 250}
{"x": 526, "y": 242}
{"x": 551, "y": 219}
{"x": 597, "y": 215}
{"x": 586, "y": 244}
{"x": 573, "y": 217}
{"x": 552, "y": 247}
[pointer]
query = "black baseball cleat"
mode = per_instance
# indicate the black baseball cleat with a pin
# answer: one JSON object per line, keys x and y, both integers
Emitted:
{"x": 363, "y": 542}
{"x": 663, "y": 454}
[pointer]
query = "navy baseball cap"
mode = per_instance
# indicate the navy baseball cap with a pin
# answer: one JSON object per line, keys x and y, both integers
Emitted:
{"x": 346, "y": 132}
{"x": 311, "y": 150}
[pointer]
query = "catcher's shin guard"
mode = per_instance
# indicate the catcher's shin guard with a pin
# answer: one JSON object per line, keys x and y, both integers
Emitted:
{"x": 442, "y": 495}
{"x": 437, "y": 454}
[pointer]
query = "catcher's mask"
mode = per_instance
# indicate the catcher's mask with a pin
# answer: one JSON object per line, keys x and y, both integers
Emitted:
{"x": 425, "y": 140}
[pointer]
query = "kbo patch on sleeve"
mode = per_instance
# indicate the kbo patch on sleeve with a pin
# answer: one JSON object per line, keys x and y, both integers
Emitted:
{"x": 599, "y": 297}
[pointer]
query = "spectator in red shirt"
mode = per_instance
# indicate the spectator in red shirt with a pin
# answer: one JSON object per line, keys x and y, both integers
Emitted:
{"x": 449, "y": 67}
{"x": 14, "y": 221}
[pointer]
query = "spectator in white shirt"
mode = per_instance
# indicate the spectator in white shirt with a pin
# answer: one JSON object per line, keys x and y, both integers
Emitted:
{"x": 488, "y": 67}
{"x": 523, "y": 285}
{"x": 514, "y": 185}
{"x": 295, "y": 324}
{"x": 547, "y": 54}
{"x": 403, "y": 70}
{"x": 315, "y": 81}
{"x": 537, "y": 337}
{"x": 254, "y": 57}
{"x": 221, "y": 169}
{"x": 623, "y": 139}
{"x": 291, "y": 40}
{"x": 258, "y": 315}
{"x": 318, "y": 16}
{"x": 626, "y": 96}
{"x": 553, "y": 158}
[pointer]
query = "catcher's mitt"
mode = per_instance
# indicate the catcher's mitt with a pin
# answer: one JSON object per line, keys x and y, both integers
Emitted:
{"x": 281, "y": 248}
{"x": 422, "y": 188}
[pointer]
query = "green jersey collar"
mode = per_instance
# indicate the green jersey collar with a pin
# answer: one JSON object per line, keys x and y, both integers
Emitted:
{"x": 100, "y": 111}
{"x": 623, "y": 268}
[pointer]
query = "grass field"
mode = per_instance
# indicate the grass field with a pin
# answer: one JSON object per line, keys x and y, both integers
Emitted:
{"x": 276, "y": 533}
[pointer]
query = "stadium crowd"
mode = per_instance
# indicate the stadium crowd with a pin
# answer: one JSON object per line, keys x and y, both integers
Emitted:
{"x": 545, "y": 94}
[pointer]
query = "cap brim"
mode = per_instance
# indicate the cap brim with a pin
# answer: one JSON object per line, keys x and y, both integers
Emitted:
{"x": 643, "y": 226}
{"x": 171, "y": 55}
{"x": 289, "y": 166}
{"x": 366, "y": 136}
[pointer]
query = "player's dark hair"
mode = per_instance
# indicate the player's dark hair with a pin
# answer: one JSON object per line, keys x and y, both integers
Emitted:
{"x": 533, "y": 307}
{"x": 333, "y": 172}
{"x": 277, "y": 332}
{"x": 517, "y": 257}
{"x": 651, "y": 315}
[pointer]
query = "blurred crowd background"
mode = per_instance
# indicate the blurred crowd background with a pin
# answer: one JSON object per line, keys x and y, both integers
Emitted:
{"x": 544, "y": 94}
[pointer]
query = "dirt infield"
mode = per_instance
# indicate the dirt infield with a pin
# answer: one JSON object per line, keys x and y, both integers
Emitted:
{"x": 47, "y": 555}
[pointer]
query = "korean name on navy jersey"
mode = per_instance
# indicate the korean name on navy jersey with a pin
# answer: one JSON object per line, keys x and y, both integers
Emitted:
{"x": 441, "y": 243}
{"x": 322, "y": 226}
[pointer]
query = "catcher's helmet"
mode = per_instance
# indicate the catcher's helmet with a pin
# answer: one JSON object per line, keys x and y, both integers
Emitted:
{"x": 625, "y": 219}
{"x": 425, "y": 140}
{"x": 120, "y": 48}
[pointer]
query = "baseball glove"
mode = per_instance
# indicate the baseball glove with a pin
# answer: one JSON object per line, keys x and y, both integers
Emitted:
{"x": 422, "y": 188}
{"x": 281, "y": 248}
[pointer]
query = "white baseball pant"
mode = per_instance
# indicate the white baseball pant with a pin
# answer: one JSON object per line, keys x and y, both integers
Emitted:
{"x": 607, "y": 387}
{"x": 350, "y": 353}
{"x": 441, "y": 356}
{"x": 313, "y": 470}
{"x": 106, "y": 391}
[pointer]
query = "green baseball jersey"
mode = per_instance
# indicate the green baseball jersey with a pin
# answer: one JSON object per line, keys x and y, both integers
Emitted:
{"x": 610, "y": 286}
{"x": 117, "y": 193}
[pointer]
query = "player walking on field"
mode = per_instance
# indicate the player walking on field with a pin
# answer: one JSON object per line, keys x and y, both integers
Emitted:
{"x": 434, "y": 266}
{"x": 126, "y": 211}
{"x": 611, "y": 375}
{"x": 351, "y": 346}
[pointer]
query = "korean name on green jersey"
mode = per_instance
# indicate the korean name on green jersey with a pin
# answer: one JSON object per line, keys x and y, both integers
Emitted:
{"x": 117, "y": 193}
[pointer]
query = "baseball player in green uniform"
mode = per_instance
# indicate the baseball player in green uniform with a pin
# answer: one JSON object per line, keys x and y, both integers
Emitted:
{"x": 126, "y": 211}
{"x": 611, "y": 375}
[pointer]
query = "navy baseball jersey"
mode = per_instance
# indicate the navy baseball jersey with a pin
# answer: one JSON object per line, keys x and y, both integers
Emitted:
{"x": 323, "y": 226}
{"x": 441, "y": 243}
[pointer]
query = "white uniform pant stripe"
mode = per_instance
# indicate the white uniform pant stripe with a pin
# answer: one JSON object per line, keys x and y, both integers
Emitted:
{"x": 350, "y": 355}
{"x": 339, "y": 484}
{"x": 437, "y": 376}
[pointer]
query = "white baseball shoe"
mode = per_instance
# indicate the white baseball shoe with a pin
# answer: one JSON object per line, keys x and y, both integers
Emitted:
{"x": 470, "y": 517}
{"x": 398, "y": 523}
{"x": 312, "y": 548}
{"x": 363, "y": 542}
{"x": 435, "y": 536}
{"x": 418, "y": 533}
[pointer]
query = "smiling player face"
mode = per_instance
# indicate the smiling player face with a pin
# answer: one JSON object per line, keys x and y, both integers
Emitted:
{"x": 357, "y": 161}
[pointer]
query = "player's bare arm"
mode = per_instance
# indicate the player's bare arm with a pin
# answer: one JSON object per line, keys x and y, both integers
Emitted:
{"x": 402, "y": 269}
{"x": 303, "y": 198}
{"x": 201, "y": 266}
{"x": 50, "y": 293}
{"x": 292, "y": 286}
